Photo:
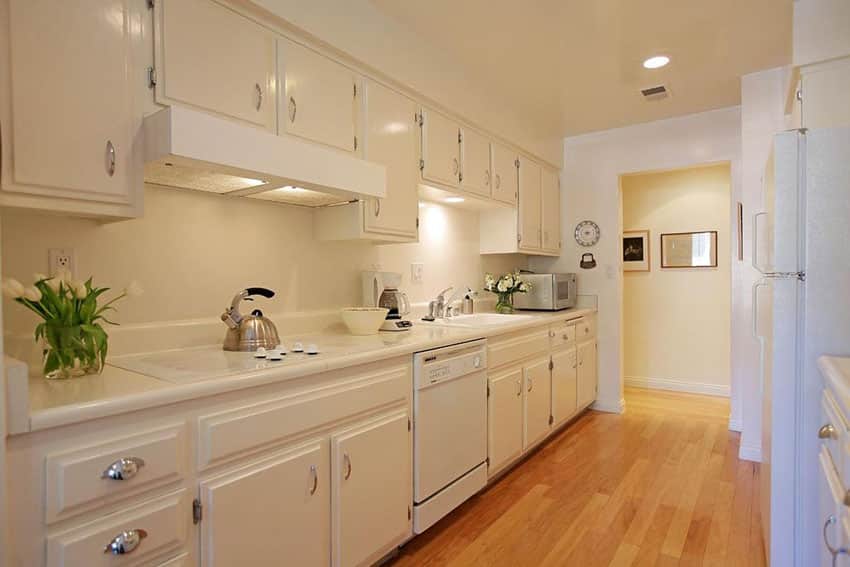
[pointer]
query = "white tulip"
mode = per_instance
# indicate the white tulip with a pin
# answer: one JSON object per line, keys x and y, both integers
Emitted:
{"x": 78, "y": 289}
{"x": 53, "y": 284}
{"x": 37, "y": 277}
{"x": 13, "y": 289}
{"x": 133, "y": 289}
{"x": 63, "y": 274}
{"x": 33, "y": 294}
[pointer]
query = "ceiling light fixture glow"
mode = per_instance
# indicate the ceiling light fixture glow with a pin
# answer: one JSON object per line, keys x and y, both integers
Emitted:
{"x": 454, "y": 199}
{"x": 656, "y": 62}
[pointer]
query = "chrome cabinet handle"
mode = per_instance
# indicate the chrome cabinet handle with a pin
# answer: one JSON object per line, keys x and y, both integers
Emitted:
{"x": 486, "y": 177}
{"x": 125, "y": 542}
{"x": 293, "y": 109}
{"x": 314, "y": 474}
{"x": 827, "y": 432}
{"x": 347, "y": 460}
{"x": 124, "y": 468}
{"x": 377, "y": 207}
{"x": 498, "y": 181}
{"x": 518, "y": 388}
{"x": 834, "y": 551}
{"x": 259, "y": 96}
{"x": 455, "y": 166}
{"x": 566, "y": 337}
{"x": 530, "y": 384}
{"x": 110, "y": 158}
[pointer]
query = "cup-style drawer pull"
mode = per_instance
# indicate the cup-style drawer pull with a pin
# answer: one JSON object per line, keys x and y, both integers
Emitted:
{"x": 125, "y": 542}
{"x": 124, "y": 468}
{"x": 827, "y": 432}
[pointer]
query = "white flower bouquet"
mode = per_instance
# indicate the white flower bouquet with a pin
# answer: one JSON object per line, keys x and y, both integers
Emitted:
{"x": 505, "y": 287}
{"x": 74, "y": 341}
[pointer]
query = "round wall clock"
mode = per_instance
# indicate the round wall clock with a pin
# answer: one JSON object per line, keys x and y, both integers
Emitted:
{"x": 587, "y": 233}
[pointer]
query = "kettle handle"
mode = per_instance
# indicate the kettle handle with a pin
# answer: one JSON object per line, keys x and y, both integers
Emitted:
{"x": 267, "y": 293}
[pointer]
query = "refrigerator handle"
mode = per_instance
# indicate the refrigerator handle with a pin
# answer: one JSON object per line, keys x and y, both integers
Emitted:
{"x": 755, "y": 259}
{"x": 761, "y": 283}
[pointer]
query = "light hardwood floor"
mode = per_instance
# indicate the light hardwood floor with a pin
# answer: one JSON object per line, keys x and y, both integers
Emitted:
{"x": 658, "y": 485}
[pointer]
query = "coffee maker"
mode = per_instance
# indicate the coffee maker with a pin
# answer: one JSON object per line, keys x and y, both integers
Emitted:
{"x": 380, "y": 289}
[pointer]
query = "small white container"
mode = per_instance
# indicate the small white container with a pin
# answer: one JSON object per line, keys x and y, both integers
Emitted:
{"x": 364, "y": 320}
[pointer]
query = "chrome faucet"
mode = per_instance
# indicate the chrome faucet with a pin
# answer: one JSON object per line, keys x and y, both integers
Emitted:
{"x": 440, "y": 307}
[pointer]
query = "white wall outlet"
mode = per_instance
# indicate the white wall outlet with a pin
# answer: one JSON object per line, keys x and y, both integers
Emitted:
{"x": 416, "y": 270}
{"x": 60, "y": 259}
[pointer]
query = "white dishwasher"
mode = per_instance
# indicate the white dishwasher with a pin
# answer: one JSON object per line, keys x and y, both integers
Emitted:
{"x": 449, "y": 429}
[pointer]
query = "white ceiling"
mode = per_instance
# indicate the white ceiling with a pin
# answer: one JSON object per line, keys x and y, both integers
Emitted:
{"x": 574, "y": 66}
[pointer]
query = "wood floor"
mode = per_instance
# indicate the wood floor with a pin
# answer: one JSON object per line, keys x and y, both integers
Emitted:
{"x": 658, "y": 485}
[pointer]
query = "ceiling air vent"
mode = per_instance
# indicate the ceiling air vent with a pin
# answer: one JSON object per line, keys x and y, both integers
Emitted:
{"x": 655, "y": 93}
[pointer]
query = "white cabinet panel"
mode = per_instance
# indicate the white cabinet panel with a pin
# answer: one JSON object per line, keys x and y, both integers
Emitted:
{"x": 504, "y": 424}
{"x": 70, "y": 106}
{"x": 551, "y": 211}
{"x": 268, "y": 512}
{"x": 211, "y": 57}
{"x": 475, "y": 163}
{"x": 504, "y": 178}
{"x": 440, "y": 149}
{"x": 530, "y": 229}
{"x": 586, "y": 373}
{"x": 537, "y": 396}
{"x": 564, "y": 385}
{"x": 319, "y": 96}
{"x": 372, "y": 489}
{"x": 391, "y": 140}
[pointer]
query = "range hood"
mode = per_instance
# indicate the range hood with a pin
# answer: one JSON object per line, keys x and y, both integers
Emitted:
{"x": 190, "y": 149}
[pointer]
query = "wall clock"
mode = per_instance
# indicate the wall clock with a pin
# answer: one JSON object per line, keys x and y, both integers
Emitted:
{"x": 587, "y": 233}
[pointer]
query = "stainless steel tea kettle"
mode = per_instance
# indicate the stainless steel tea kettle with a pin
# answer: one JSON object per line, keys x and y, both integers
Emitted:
{"x": 249, "y": 332}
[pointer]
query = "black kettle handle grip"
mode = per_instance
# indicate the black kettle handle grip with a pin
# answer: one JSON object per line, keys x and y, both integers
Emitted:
{"x": 267, "y": 293}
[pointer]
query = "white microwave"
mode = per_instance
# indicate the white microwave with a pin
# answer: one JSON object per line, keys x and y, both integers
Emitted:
{"x": 549, "y": 292}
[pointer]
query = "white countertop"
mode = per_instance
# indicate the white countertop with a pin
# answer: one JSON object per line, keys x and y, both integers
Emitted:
{"x": 54, "y": 403}
{"x": 836, "y": 374}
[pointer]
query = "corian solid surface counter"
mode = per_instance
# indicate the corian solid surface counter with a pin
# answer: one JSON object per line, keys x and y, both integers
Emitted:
{"x": 55, "y": 403}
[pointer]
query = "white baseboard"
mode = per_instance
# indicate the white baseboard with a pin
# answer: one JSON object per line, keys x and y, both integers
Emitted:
{"x": 749, "y": 453}
{"x": 610, "y": 406}
{"x": 677, "y": 386}
{"x": 735, "y": 425}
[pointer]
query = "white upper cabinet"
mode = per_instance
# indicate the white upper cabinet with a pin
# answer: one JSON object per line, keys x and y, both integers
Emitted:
{"x": 440, "y": 149}
{"x": 530, "y": 203}
{"x": 475, "y": 163}
{"x": 210, "y": 57}
{"x": 551, "y": 210}
{"x": 504, "y": 175}
{"x": 71, "y": 106}
{"x": 318, "y": 97}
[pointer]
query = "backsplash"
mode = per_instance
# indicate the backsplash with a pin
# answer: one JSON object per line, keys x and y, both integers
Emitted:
{"x": 193, "y": 251}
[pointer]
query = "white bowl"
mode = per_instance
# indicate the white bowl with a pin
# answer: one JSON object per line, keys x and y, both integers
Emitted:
{"x": 364, "y": 320}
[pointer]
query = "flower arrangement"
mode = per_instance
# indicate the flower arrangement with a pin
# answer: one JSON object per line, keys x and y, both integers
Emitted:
{"x": 74, "y": 341}
{"x": 505, "y": 287}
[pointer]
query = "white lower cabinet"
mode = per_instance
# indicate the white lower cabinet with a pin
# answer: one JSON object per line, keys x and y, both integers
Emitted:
{"x": 504, "y": 425}
{"x": 537, "y": 401}
{"x": 564, "y": 385}
{"x": 372, "y": 489}
{"x": 587, "y": 377}
{"x": 273, "y": 512}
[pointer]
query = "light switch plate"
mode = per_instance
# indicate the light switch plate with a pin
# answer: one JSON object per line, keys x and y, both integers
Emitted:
{"x": 416, "y": 270}
{"x": 60, "y": 259}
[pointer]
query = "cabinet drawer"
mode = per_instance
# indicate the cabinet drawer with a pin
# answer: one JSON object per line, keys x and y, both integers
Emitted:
{"x": 234, "y": 432}
{"x": 563, "y": 334}
{"x": 585, "y": 328}
{"x": 164, "y": 523}
{"x": 516, "y": 346}
{"x": 833, "y": 434}
{"x": 79, "y": 480}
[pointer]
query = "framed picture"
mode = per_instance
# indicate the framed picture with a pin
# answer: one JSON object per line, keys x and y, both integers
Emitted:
{"x": 636, "y": 251}
{"x": 689, "y": 249}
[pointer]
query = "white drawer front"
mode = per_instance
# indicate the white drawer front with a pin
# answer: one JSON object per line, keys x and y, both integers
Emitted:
{"x": 515, "y": 347}
{"x": 165, "y": 521}
{"x": 833, "y": 434}
{"x": 563, "y": 334}
{"x": 76, "y": 480}
{"x": 586, "y": 327}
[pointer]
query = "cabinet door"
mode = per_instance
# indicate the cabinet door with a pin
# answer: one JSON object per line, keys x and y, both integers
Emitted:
{"x": 319, "y": 96}
{"x": 391, "y": 141}
{"x": 475, "y": 163}
{"x": 551, "y": 211}
{"x": 538, "y": 388}
{"x": 530, "y": 229}
{"x": 372, "y": 489}
{"x": 586, "y": 373}
{"x": 277, "y": 508}
{"x": 505, "y": 177}
{"x": 564, "y": 386}
{"x": 504, "y": 418}
{"x": 70, "y": 105}
{"x": 440, "y": 149}
{"x": 211, "y": 57}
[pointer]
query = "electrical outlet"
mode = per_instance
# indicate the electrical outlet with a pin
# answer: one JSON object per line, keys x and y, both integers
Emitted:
{"x": 60, "y": 259}
{"x": 416, "y": 270}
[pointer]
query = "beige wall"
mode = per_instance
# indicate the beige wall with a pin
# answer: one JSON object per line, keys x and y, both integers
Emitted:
{"x": 677, "y": 321}
{"x": 192, "y": 251}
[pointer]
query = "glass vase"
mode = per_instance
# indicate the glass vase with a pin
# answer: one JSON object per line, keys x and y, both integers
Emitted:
{"x": 70, "y": 351}
{"x": 505, "y": 303}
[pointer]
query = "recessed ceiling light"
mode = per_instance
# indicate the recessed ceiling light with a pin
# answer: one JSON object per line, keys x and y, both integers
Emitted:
{"x": 454, "y": 199}
{"x": 656, "y": 62}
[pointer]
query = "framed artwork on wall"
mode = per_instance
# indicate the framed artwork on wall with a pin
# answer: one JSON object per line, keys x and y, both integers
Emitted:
{"x": 636, "y": 251}
{"x": 689, "y": 249}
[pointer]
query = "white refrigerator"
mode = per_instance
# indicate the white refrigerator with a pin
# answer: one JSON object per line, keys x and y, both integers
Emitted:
{"x": 801, "y": 310}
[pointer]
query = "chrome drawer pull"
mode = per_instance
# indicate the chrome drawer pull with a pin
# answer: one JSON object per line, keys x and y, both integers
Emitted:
{"x": 827, "y": 432}
{"x": 530, "y": 384}
{"x": 347, "y": 466}
{"x": 315, "y": 474}
{"x": 110, "y": 158}
{"x": 259, "y": 96}
{"x": 125, "y": 542}
{"x": 124, "y": 468}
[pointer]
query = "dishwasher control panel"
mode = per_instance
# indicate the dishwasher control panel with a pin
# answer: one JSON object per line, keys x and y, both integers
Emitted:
{"x": 447, "y": 363}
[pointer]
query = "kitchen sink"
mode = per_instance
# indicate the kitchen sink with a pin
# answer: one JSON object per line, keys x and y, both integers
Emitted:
{"x": 478, "y": 320}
